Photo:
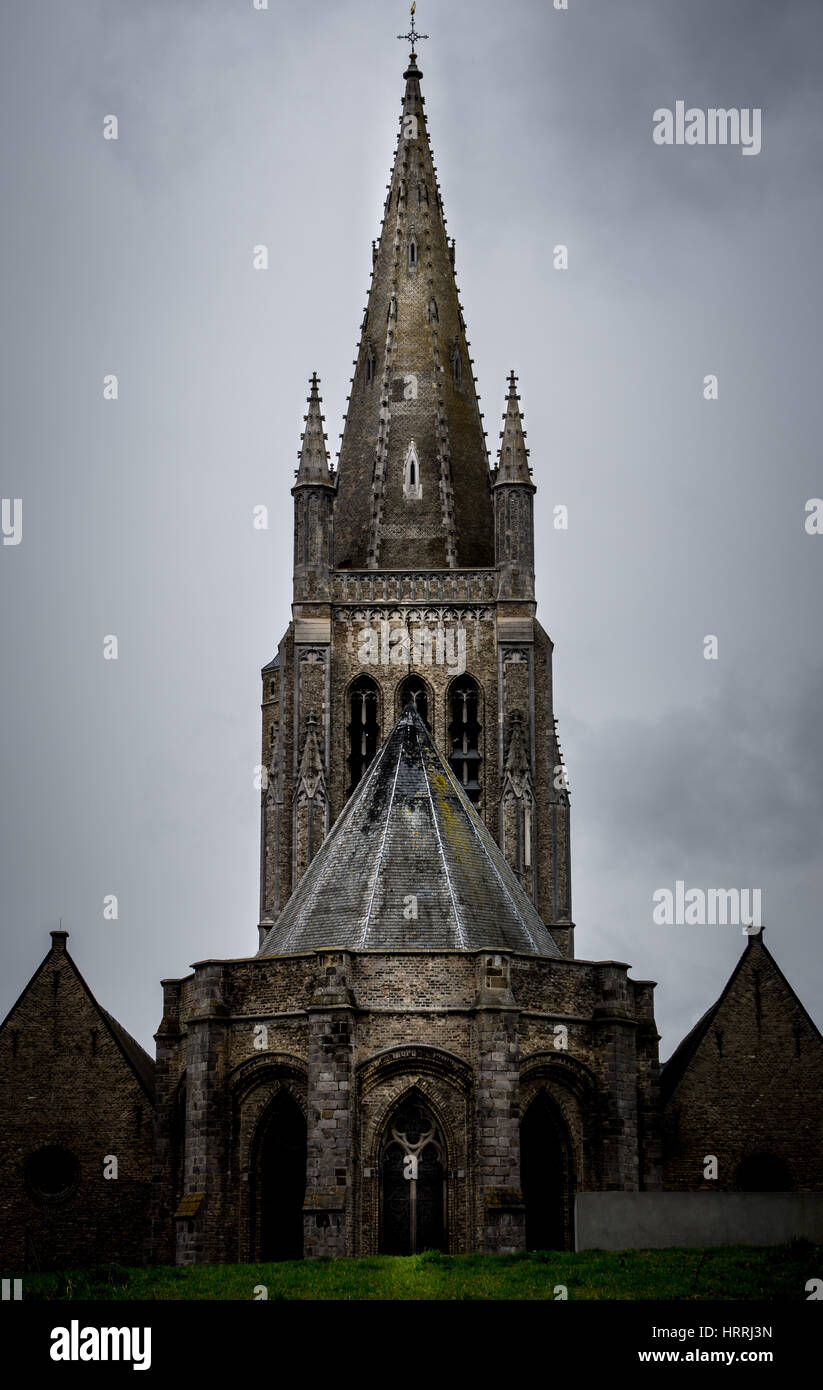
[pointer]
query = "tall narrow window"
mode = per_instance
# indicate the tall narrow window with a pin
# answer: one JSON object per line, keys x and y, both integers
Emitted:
{"x": 412, "y": 252}
{"x": 464, "y": 731}
{"x": 412, "y": 482}
{"x": 415, "y": 691}
{"x": 363, "y": 728}
{"x": 457, "y": 365}
{"x": 413, "y": 1181}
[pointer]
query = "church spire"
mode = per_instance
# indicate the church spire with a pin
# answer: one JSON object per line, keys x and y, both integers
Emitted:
{"x": 513, "y": 462}
{"x": 313, "y": 455}
{"x": 313, "y": 494}
{"x": 514, "y": 505}
{"x": 413, "y": 475}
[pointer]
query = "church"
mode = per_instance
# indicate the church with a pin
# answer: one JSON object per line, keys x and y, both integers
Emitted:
{"x": 413, "y": 1057}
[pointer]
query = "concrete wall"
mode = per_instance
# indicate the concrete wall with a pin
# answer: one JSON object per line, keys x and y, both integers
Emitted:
{"x": 654, "y": 1220}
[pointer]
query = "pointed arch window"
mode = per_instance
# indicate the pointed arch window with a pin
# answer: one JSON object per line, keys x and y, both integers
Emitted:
{"x": 412, "y": 482}
{"x": 415, "y": 691}
{"x": 413, "y": 254}
{"x": 413, "y": 1181}
{"x": 363, "y": 728}
{"x": 464, "y": 731}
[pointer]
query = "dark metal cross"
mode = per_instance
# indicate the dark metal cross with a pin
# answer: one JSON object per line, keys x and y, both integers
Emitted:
{"x": 413, "y": 36}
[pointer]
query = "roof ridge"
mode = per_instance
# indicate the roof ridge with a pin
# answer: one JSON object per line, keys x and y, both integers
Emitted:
{"x": 313, "y": 882}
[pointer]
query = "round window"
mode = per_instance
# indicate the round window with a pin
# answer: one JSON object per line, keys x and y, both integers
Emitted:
{"x": 52, "y": 1173}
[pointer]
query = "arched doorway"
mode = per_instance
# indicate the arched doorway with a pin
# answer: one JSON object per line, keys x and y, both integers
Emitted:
{"x": 413, "y": 1181}
{"x": 280, "y": 1186}
{"x": 546, "y": 1176}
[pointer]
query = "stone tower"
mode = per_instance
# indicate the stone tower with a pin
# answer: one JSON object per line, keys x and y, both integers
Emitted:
{"x": 414, "y": 577}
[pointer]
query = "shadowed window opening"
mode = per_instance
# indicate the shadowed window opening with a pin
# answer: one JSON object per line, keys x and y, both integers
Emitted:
{"x": 363, "y": 728}
{"x": 51, "y": 1173}
{"x": 763, "y": 1173}
{"x": 415, "y": 690}
{"x": 464, "y": 731}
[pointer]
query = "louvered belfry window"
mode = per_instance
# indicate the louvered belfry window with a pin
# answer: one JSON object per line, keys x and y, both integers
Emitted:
{"x": 464, "y": 730}
{"x": 363, "y": 728}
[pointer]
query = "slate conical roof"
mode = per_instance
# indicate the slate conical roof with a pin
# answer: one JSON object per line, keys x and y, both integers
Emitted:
{"x": 413, "y": 386}
{"x": 409, "y": 840}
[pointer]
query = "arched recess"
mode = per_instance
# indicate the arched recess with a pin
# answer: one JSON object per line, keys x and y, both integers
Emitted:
{"x": 576, "y": 1113}
{"x": 269, "y": 1125}
{"x": 277, "y": 1181}
{"x": 362, "y": 728}
{"x": 416, "y": 690}
{"x": 413, "y": 1186}
{"x": 763, "y": 1172}
{"x": 547, "y": 1176}
{"x": 443, "y": 1081}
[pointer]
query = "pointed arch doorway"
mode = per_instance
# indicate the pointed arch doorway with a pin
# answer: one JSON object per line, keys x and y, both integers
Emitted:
{"x": 547, "y": 1176}
{"x": 280, "y": 1181}
{"x": 413, "y": 1181}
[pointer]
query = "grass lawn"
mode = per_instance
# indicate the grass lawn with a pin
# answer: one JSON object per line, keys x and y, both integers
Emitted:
{"x": 724, "y": 1272}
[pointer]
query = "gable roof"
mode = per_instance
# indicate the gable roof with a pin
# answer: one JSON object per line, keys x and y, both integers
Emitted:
{"x": 137, "y": 1058}
{"x": 409, "y": 864}
{"x": 672, "y": 1071}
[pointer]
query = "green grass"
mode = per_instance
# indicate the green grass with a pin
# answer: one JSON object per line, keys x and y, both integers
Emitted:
{"x": 725, "y": 1272}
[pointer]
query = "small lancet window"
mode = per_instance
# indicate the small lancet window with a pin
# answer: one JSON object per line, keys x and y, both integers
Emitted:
{"x": 412, "y": 483}
{"x": 412, "y": 252}
{"x": 457, "y": 365}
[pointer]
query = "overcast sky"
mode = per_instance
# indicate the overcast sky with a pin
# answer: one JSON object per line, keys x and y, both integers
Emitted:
{"x": 686, "y": 517}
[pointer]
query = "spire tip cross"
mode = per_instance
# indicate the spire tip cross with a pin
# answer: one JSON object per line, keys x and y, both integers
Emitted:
{"x": 412, "y": 35}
